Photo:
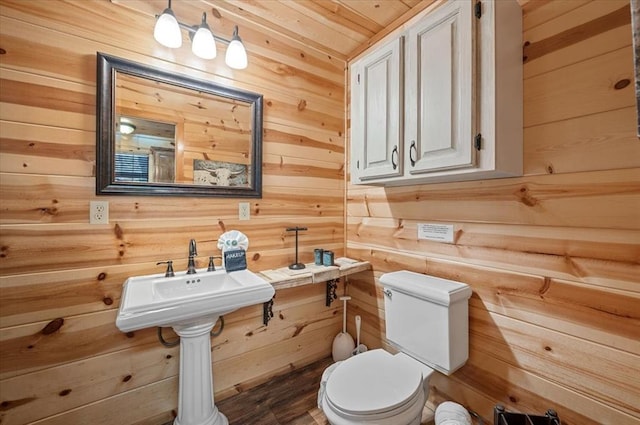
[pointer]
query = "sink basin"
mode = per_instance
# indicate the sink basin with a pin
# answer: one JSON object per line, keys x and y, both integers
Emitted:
{"x": 182, "y": 300}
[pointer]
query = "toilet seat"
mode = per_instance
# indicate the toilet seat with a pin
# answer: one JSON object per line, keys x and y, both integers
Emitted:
{"x": 374, "y": 384}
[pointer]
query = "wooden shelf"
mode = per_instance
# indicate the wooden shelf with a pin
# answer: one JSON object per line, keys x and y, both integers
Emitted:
{"x": 286, "y": 278}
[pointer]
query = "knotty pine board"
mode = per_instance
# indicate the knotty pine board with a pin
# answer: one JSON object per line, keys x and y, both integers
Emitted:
{"x": 569, "y": 146}
{"x": 536, "y": 13}
{"x": 126, "y": 242}
{"x": 610, "y": 259}
{"x": 38, "y": 199}
{"x": 593, "y": 313}
{"x": 602, "y": 199}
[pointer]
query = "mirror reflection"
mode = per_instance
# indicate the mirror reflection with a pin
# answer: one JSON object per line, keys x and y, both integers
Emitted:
{"x": 187, "y": 137}
{"x": 145, "y": 150}
{"x": 170, "y": 134}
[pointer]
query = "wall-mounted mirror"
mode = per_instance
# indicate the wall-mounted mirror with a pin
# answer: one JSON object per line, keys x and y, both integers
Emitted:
{"x": 160, "y": 133}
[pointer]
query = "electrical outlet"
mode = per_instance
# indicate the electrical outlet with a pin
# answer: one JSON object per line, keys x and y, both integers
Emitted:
{"x": 99, "y": 212}
{"x": 244, "y": 211}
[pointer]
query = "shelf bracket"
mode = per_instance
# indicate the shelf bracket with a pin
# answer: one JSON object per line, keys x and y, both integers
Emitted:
{"x": 332, "y": 287}
{"x": 267, "y": 311}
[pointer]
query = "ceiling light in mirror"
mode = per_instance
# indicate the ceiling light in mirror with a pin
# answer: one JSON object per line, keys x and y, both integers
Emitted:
{"x": 127, "y": 128}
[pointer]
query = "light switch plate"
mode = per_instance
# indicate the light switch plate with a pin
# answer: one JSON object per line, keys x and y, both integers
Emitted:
{"x": 244, "y": 211}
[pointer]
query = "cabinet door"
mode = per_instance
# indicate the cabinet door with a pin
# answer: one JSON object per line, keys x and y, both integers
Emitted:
{"x": 376, "y": 113}
{"x": 440, "y": 93}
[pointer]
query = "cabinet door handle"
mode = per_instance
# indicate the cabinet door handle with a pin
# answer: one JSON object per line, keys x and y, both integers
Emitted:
{"x": 394, "y": 151}
{"x": 412, "y": 149}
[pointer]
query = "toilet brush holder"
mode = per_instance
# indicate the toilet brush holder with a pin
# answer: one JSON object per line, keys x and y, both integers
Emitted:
{"x": 343, "y": 343}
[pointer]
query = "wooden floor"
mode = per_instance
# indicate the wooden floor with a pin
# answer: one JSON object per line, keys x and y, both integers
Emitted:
{"x": 290, "y": 399}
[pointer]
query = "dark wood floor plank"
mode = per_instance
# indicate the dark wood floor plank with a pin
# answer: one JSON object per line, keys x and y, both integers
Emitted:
{"x": 287, "y": 399}
{"x": 305, "y": 419}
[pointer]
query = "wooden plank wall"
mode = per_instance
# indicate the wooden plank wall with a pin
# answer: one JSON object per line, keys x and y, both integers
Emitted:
{"x": 62, "y": 360}
{"x": 553, "y": 257}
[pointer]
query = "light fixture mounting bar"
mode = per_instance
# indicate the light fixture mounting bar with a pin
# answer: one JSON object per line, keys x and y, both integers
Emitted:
{"x": 193, "y": 28}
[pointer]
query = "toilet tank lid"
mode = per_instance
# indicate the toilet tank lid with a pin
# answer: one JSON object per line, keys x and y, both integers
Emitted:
{"x": 436, "y": 289}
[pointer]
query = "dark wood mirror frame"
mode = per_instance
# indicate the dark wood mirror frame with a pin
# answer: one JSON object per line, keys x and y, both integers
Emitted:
{"x": 635, "y": 29}
{"x": 106, "y": 184}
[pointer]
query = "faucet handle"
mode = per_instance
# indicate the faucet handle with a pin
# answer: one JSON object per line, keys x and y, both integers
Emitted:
{"x": 212, "y": 266}
{"x": 169, "y": 272}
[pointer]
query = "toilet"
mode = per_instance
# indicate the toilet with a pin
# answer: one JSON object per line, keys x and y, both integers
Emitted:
{"x": 426, "y": 320}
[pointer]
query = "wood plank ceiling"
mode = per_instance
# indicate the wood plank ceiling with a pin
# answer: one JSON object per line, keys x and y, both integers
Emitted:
{"x": 335, "y": 27}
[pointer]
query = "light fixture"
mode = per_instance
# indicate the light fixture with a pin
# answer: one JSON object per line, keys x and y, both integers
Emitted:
{"x": 127, "y": 127}
{"x": 167, "y": 29}
{"x": 203, "y": 41}
{"x": 203, "y": 45}
{"x": 236, "y": 56}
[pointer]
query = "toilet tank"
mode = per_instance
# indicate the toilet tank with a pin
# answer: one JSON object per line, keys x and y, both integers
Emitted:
{"x": 428, "y": 318}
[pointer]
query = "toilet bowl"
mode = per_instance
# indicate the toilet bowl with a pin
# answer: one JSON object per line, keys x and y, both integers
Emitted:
{"x": 375, "y": 387}
{"x": 426, "y": 320}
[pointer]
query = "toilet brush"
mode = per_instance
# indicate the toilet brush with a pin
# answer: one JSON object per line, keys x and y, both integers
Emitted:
{"x": 360, "y": 348}
{"x": 343, "y": 343}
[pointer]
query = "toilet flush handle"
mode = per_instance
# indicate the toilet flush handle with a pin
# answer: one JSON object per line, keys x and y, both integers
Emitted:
{"x": 387, "y": 292}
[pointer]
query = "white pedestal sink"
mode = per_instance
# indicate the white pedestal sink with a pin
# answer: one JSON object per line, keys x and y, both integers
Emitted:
{"x": 191, "y": 304}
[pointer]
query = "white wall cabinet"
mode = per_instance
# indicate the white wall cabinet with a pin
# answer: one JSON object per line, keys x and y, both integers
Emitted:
{"x": 440, "y": 99}
{"x": 377, "y": 102}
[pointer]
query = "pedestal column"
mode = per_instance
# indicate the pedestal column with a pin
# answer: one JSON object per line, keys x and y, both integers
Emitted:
{"x": 195, "y": 395}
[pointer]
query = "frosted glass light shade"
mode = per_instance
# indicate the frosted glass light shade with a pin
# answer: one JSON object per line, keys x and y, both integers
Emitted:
{"x": 203, "y": 45}
{"x": 236, "y": 56}
{"x": 167, "y": 31}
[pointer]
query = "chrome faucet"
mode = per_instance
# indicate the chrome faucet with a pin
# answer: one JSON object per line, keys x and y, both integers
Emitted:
{"x": 193, "y": 252}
